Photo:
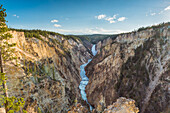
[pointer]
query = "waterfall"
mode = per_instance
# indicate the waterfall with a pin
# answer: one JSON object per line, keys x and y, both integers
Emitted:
{"x": 94, "y": 50}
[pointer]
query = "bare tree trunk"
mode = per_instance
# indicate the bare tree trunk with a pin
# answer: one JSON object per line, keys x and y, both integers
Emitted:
{"x": 4, "y": 82}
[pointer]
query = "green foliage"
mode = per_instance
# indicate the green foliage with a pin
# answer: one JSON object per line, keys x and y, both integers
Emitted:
{"x": 149, "y": 27}
{"x": 2, "y": 78}
{"x": 72, "y": 37}
{"x": 95, "y": 37}
{"x": 33, "y": 33}
{"x": 6, "y": 51}
{"x": 35, "y": 69}
{"x": 39, "y": 110}
{"x": 154, "y": 26}
{"x": 12, "y": 104}
{"x": 28, "y": 67}
{"x": 38, "y": 33}
{"x": 53, "y": 71}
{"x": 15, "y": 104}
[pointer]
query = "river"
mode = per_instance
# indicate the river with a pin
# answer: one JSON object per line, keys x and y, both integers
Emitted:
{"x": 84, "y": 78}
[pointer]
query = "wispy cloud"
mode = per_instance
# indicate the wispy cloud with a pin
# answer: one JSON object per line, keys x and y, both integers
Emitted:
{"x": 167, "y": 8}
{"x": 121, "y": 19}
{"x": 57, "y": 25}
{"x": 16, "y": 16}
{"x": 102, "y": 16}
{"x": 152, "y": 14}
{"x": 53, "y": 21}
{"x": 66, "y": 18}
{"x": 90, "y": 31}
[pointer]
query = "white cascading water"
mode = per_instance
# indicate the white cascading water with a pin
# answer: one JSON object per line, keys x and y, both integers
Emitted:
{"x": 84, "y": 78}
{"x": 94, "y": 50}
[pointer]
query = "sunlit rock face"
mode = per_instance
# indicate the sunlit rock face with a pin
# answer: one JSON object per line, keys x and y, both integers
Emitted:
{"x": 47, "y": 76}
{"x": 103, "y": 43}
{"x": 78, "y": 108}
{"x": 122, "y": 105}
{"x": 135, "y": 65}
{"x": 2, "y": 110}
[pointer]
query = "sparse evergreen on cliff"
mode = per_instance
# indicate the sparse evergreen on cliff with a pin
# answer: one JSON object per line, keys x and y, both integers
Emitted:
{"x": 12, "y": 104}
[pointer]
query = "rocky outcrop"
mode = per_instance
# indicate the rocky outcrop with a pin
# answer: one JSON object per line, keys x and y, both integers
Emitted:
{"x": 78, "y": 109}
{"x": 135, "y": 65}
{"x": 103, "y": 43}
{"x": 47, "y": 72}
{"x": 122, "y": 105}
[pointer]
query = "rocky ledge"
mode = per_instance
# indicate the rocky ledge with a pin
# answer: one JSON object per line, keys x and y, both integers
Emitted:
{"x": 122, "y": 105}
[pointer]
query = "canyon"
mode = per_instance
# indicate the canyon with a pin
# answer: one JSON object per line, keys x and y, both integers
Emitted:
{"x": 135, "y": 65}
{"x": 47, "y": 74}
{"x": 129, "y": 72}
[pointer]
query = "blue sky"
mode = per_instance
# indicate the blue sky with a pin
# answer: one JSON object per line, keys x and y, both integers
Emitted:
{"x": 86, "y": 16}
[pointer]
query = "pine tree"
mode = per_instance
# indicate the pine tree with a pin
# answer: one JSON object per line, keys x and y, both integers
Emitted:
{"x": 7, "y": 54}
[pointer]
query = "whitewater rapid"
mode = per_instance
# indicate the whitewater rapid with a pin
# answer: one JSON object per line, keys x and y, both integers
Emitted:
{"x": 84, "y": 78}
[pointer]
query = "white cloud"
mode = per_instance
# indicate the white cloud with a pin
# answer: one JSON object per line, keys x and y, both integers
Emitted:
{"x": 54, "y": 21}
{"x": 161, "y": 12}
{"x": 152, "y": 14}
{"x": 111, "y": 18}
{"x": 112, "y": 21}
{"x": 16, "y": 15}
{"x": 90, "y": 31}
{"x": 101, "y": 16}
{"x": 57, "y": 25}
{"x": 167, "y": 8}
{"x": 121, "y": 19}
